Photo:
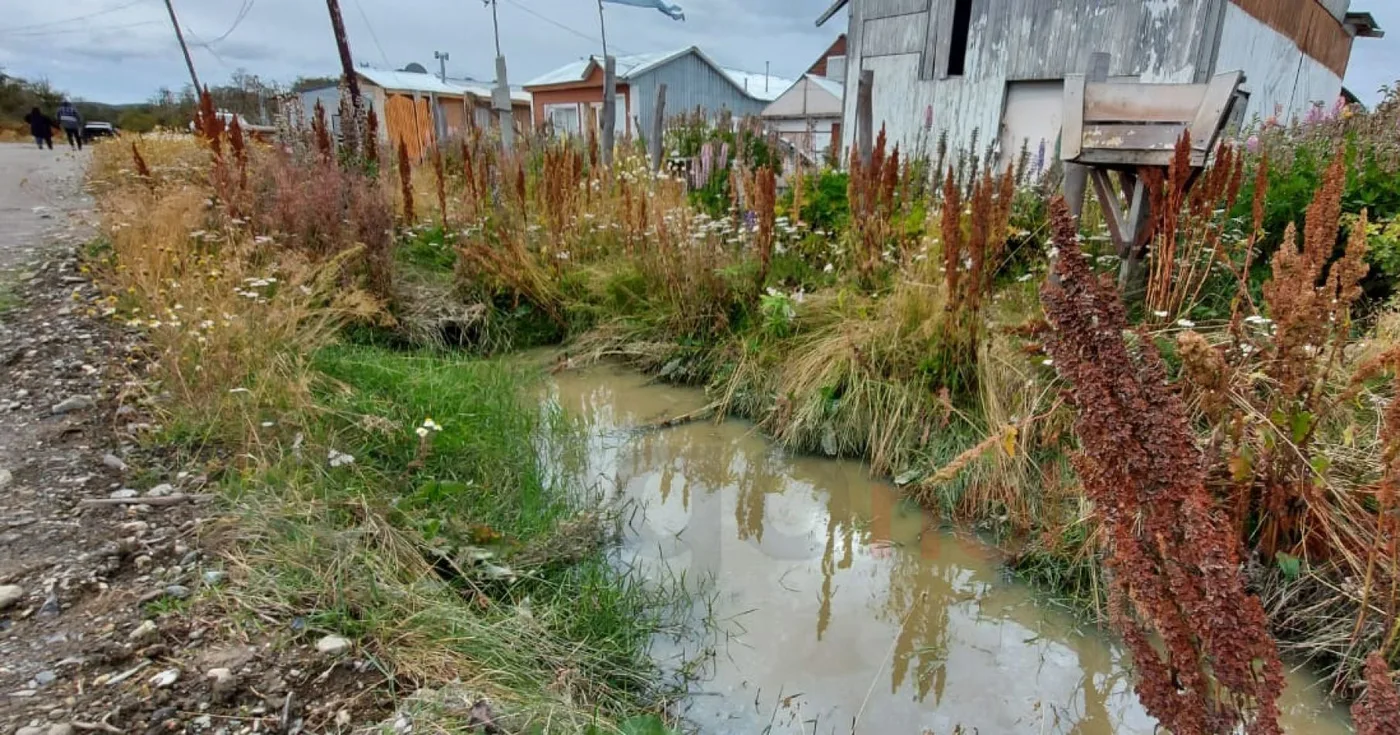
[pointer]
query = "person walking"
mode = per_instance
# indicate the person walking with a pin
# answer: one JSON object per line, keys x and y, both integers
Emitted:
{"x": 72, "y": 124}
{"x": 41, "y": 127}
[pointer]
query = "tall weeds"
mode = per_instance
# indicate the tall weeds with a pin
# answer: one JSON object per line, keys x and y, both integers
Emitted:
{"x": 1171, "y": 553}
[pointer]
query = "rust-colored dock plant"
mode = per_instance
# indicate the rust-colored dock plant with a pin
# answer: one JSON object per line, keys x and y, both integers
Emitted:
{"x": 441, "y": 183}
{"x": 321, "y": 131}
{"x": 371, "y": 146}
{"x": 1173, "y": 559}
{"x": 1377, "y": 712}
{"x": 142, "y": 170}
{"x": 406, "y": 182}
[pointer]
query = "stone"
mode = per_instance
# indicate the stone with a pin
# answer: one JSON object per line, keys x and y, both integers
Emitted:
{"x": 333, "y": 645}
{"x": 61, "y": 728}
{"x": 214, "y": 577}
{"x": 50, "y": 607}
{"x": 145, "y": 631}
{"x": 165, "y": 678}
{"x": 178, "y": 591}
{"x": 222, "y": 681}
{"x": 6, "y": 477}
{"x": 113, "y": 461}
{"x": 73, "y": 403}
{"x": 10, "y": 594}
{"x": 160, "y": 490}
{"x": 123, "y": 494}
{"x": 30, "y": 730}
{"x": 45, "y": 678}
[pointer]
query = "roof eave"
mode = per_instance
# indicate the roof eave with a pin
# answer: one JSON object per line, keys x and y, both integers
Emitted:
{"x": 836, "y": 6}
{"x": 1363, "y": 25}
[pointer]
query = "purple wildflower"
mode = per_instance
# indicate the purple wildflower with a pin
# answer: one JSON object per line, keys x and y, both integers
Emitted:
{"x": 1039, "y": 158}
{"x": 928, "y": 118}
{"x": 1252, "y": 144}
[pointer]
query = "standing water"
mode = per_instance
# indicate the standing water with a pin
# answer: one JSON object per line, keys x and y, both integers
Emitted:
{"x": 835, "y": 607}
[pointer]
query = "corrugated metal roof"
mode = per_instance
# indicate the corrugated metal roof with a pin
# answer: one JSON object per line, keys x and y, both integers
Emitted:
{"x": 483, "y": 89}
{"x": 835, "y": 88}
{"x": 627, "y": 66}
{"x": 759, "y": 86}
{"x": 407, "y": 81}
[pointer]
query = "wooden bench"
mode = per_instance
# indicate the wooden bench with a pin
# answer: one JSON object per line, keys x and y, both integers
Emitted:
{"x": 1125, "y": 126}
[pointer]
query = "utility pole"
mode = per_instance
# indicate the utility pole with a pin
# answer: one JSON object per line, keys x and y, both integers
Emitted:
{"x": 609, "y": 121}
{"x": 351, "y": 132}
{"x": 500, "y": 96}
{"x": 441, "y": 57}
{"x": 186, "y": 49}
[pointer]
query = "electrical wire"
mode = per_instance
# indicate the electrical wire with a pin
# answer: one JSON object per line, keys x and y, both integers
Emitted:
{"x": 242, "y": 13}
{"x": 67, "y": 31}
{"x": 373, "y": 36}
{"x": 561, "y": 26}
{"x": 74, "y": 19}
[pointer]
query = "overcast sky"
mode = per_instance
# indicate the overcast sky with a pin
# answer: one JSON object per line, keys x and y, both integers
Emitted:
{"x": 123, "y": 50}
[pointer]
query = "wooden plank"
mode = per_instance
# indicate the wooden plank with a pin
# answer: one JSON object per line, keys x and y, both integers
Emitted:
{"x": 1165, "y": 103}
{"x": 1132, "y": 137}
{"x": 1112, "y": 209}
{"x": 1072, "y": 132}
{"x": 1129, "y": 158}
{"x": 865, "y": 114}
{"x": 1210, "y": 118}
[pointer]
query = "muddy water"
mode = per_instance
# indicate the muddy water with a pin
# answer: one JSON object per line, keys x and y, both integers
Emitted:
{"x": 829, "y": 601}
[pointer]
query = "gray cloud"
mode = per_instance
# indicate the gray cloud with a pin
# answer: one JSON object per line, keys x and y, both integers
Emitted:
{"x": 126, "y": 54}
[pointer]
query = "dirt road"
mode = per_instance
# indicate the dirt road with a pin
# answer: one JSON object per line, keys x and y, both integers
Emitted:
{"x": 38, "y": 190}
{"x": 109, "y": 620}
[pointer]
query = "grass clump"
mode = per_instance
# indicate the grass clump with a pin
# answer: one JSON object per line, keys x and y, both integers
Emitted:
{"x": 446, "y": 544}
{"x": 419, "y": 503}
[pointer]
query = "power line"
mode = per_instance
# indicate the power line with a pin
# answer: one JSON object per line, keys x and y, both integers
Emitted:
{"x": 242, "y": 13}
{"x": 74, "y": 19}
{"x": 561, "y": 26}
{"x": 373, "y": 36}
{"x": 68, "y": 31}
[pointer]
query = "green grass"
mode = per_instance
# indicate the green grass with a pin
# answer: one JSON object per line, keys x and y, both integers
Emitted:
{"x": 467, "y": 554}
{"x": 9, "y": 300}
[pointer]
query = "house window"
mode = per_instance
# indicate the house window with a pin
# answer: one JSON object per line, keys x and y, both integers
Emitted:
{"x": 564, "y": 118}
{"x": 957, "y": 42}
{"x": 836, "y": 67}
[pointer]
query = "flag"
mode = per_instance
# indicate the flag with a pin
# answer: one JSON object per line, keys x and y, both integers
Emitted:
{"x": 672, "y": 10}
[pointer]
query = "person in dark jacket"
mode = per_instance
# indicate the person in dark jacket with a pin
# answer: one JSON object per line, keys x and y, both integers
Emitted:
{"x": 41, "y": 127}
{"x": 72, "y": 124}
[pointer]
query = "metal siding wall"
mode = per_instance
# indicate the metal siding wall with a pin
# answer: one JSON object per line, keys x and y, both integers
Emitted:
{"x": 1154, "y": 40}
{"x": 1279, "y": 76}
{"x": 691, "y": 83}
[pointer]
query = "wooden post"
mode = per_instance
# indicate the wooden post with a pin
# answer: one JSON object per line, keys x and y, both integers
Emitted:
{"x": 350, "y": 132}
{"x": 865, "y": 114}
{"x": 500, "y": 99}
{"x": 609, "y": 120}
{"x": 1076, "y": 175}
{"x": 658, "y": 128}
{"x": 189, "y": 63}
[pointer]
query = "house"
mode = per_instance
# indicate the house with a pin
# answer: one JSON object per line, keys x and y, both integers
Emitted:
{"x": 419, "y": 108}
{"x": 993, "y": 70}
{"x": 572, "y": 95}
{"x": 808, "y": 114}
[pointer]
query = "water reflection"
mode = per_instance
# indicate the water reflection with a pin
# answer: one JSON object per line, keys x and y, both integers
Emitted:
{"x": 839, "y": 606}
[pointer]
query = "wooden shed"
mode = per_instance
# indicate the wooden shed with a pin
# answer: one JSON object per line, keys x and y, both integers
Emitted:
{"x": 420, "y": 109}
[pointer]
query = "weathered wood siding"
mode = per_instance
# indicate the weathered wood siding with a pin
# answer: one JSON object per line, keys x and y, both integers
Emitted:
{"x": 1281, "y": 79}
{"x": 690, "y": 83}
{"x": 906, "y": 44}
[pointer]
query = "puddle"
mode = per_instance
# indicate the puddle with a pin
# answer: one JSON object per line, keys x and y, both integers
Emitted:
{"x": 834, "y": 605}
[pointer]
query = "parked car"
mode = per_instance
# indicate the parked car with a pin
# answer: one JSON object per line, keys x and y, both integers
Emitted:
{"x": 95, "y": 130}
